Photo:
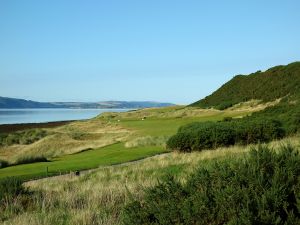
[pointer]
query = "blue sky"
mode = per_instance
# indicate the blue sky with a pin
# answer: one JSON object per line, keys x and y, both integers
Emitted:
{"x": 162, "y": 50}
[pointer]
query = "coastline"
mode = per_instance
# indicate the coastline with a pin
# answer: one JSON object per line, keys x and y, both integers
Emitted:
{"x": 9, "y": 128}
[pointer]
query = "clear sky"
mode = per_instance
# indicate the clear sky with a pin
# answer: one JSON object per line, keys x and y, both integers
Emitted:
{"x": 162, "y": 50}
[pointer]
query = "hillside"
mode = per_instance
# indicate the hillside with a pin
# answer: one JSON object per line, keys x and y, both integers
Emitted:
{"x": 14, "y": 103}
{"x": 276, "y": 82}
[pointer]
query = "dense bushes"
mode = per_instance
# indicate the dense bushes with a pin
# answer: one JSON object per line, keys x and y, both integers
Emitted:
{"x": 22, "y": 137}
{"x": 287, "y": 113}
{"x": 263, "y": 188}
{"x": 277, "y": 82}
{"x": 198, "y": 136}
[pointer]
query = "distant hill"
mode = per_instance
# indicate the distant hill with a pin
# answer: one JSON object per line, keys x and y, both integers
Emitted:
{"x": 14, "y": 103}
{"x": 274, "y": 83}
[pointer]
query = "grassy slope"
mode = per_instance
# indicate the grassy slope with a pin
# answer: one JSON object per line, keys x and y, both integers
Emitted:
{"x": 276, "y": 82}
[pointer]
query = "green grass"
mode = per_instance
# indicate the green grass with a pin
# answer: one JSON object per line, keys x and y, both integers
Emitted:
{"x": 157, "y": 127}
{"x": 169, "y": 126}
{"x": 109, "y": 155}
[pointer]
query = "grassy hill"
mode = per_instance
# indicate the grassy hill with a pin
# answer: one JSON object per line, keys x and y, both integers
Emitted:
{"x": 276, "y": 82}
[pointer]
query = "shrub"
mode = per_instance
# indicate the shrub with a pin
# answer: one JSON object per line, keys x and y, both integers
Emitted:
{"x": 257, "y": 130}
{"x": 260, "y": 189}
{"x": 3, "y": 163}
{"x": 181, "y": 141}
{"x": 210, "y": 135}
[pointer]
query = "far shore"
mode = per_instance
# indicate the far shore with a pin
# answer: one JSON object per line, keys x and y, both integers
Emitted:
{"x": 8, "y": 128}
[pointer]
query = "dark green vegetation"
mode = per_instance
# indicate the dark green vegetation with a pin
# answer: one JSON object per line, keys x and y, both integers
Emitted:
{"x": 276, "y": 82}
{"x": 3, "y": 163}
{"x": 22, "y": 137}
{"x": 272, "y": 123}
{"x": 287, "y": 113}
{"x": 210, "y": 135}
{"x": 260, "y": 189}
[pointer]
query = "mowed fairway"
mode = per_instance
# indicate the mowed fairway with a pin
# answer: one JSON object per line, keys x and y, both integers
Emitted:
{"x": 109, "y": 155}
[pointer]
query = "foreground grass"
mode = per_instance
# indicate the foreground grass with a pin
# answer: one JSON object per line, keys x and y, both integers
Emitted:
{"x": 99, "y": 196}
{"x": 109, "y": 155}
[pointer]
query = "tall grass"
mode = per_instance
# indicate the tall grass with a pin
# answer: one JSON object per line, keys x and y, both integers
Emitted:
{"x": 147, "y": 141}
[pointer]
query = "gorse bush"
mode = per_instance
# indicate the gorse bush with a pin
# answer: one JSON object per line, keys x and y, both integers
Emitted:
{"x": 22, "y": 137}
{"x": 263, "y": 188}
{"x": 198, "y": 136}
{"x": 276, "y": 82}
{"x": 287, "y": 113}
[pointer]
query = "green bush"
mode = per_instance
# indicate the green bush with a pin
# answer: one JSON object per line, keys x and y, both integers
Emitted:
{"x": 257, "y": 130}
{"x": 288, "y": 114}
{"x": 181, "y": 141}
{"x": 210, "y": 135}
{"x": 263, "y": 188}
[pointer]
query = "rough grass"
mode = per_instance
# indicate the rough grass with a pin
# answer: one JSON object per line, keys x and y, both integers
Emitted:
{"x": 99, "y": 196}
{"x": 147, "y": 141}
{"x": 68, "y": 139}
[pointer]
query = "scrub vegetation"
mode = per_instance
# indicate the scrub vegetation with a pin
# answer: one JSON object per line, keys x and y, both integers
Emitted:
{"x": 276, "y": 82}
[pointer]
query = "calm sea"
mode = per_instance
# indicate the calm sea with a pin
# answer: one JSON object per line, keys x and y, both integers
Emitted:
{"x": 10, "y": 116}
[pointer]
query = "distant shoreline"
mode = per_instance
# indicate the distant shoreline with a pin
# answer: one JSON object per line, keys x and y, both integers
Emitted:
{"x": 9, "y": 128}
